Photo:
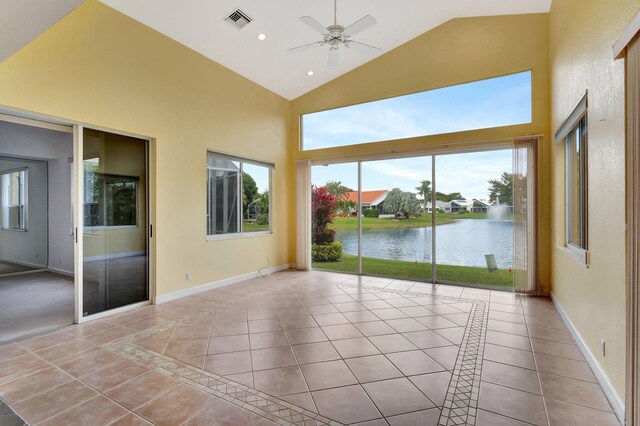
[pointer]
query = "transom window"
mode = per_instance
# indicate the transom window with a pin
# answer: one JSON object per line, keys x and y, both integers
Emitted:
{"x": 238, "y": 195}
{"x": 495, "y": 102}
{"x": 14, "y": 200}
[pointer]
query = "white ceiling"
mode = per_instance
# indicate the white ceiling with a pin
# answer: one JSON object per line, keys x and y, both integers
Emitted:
{"x": 23, "y": 20}
{"x": 199, "y": 25}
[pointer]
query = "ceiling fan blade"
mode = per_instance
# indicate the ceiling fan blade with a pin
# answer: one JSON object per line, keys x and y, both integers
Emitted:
{"x": 305, "y": 47}
{"x": 334, "y": 55}
{"x": 359, "y": 26}
{"x": 363, "y": 48}
{"x": 314, "y": 24}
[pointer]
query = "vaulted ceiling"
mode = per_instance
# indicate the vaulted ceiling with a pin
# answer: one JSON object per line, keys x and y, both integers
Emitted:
{"x": 200, "y": 25}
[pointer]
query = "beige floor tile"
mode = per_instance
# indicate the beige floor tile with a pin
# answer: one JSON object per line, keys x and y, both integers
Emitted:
{"x": 485, "y": 418}
{"x": 47, "y": 340}
{"x": 280, "y": 381}
{"x": 192, "y": 332}
{"x": 47, "y": 404}
{"x": 563, "y": 413}
{"x": 397, "y": 396}
{"x": 96, "y": 411}
{"x": 142, "y": 389}
{"x": 427, "y": 339}
{"x": 453, "y": 335}
{"x": 322, "y": 309}
{"x": 110, "y": 335}
{"x": 17, "y": 390}
{"x": 87, "y": 363}
{"x": 564, "y": 367}
{"x": 446, "y": 356}
{"x": 11, "y": 350}
{"x": 131, "y": 420}
{"x": 389, "y": 313}
{"x": 555, "y": 334}
{"x": 264, "y": 359}
{"x": 330, "y": 319}
{"x": 306, "y": 335}
{"x": 374, "y": 328}
{"x": 350, "y": 348}
{"x": 563, "y": 350}
{"x": 341, "y": 331}
{"x": 574, "y": 391}
{"x": 187, "y": 348}
{"x": 507, "y": 327}
{"x": 414, "y": 362}
{"x": 437, "y": 321}
{"x": 263, "y": 325}
{"x": 417, "y": 312}
{"x": 228, "y": 363}
{"x": 269, "y": 339}
{"x": 513, "y": 403}
{"x": 113, "y": 375}
{"x": 300, "y": 322}
{"x": 513, "y": 377}
{"x": 226, "y": 344}
{"x": 509, "y": 356}
{"x": 229, "y": 328}
{"x": 389, "y": 343}
{"x": 19, "y": 364}
{"x": 506, "y": 316}
{"x": 176, "y": 406}
{"x": 433, "y": 385}
{"x": 373, "y": 368}
{"x": 242, "y": 378}
{"x": 404, "y": 325}
{"x": 302, "y": 400}
{"x": 349, "y": 404}
{"x": 315, "y": 352}
{"x": 330, "y": 374}
{"x": 508, "y": 340}
{"x": 422, "y": 418}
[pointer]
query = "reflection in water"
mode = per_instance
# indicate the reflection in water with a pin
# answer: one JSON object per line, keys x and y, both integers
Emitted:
{"x": 462, "y": 243}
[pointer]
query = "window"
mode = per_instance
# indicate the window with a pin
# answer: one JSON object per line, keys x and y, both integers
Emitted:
{"x": 109, "y": 200}
{"x": 14, "y": 200}
{"x": 238, "y": 195}
{"x": 576, "y": 179}
{"x": 495, "y": 102}
{"x": 573, "y": 135}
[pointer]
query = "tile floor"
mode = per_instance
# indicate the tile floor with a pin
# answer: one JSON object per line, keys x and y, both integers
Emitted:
{"x": 310, "y": 348}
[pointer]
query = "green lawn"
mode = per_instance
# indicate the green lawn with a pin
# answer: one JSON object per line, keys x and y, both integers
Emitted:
{"x": 253, "y": 227}
{"x": 419, "y": 271}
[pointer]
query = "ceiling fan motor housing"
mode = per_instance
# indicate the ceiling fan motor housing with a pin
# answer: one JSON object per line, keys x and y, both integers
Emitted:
{"x": 335, "y": 36}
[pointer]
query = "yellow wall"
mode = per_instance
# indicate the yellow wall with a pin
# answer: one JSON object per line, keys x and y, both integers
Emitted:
{"x": 582, "y": 33}
{"x": 98, "y": 66}
{"x": 459, "y": 51}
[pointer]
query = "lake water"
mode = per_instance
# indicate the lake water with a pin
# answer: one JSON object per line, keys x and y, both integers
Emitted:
{"x": 462, "y": 243}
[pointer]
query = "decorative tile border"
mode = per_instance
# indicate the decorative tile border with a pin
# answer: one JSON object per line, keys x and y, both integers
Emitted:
{"x": 460, "y": 403}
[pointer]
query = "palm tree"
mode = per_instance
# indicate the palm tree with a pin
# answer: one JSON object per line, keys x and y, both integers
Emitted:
{"x": 425, "y": 191}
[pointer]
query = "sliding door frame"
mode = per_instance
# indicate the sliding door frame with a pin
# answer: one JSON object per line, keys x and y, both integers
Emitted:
{"x": 78, "y": 215}
{"x": 435, "y": 151}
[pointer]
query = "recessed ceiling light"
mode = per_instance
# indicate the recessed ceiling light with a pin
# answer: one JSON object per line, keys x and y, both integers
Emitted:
{"x": 310, "y": 73}
{"x": 262, "y": 37}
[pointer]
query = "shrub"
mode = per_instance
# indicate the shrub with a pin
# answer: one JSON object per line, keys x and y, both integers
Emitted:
{"x": 331, "y": 252}
{"x": 372, "y": 213}
{"x": 262, "y": 219}
{"x": 323, "y": 211}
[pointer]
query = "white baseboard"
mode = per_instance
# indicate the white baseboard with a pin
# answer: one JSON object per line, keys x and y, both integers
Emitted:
{"x": 60, "y": 271}
{"x": 607, "y": 387}
{"x": 217, "y": 284}
{"x": 23, "y": 263}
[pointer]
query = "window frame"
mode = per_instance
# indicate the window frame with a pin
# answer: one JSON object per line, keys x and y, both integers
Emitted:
{"x": 575, "y": 129}
{"x": 25, "y": 202}
{"x": 241, "y": 161}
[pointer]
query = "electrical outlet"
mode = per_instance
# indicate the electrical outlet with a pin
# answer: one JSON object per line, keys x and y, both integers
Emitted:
{"x": 604, "y": 347}
{"x": 187, "y": 276}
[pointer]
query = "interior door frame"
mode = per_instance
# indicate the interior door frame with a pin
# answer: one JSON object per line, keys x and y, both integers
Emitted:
{"x": 78, "y": 219}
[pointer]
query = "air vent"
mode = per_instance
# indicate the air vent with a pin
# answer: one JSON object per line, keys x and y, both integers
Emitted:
{"x": 238, "y": 19}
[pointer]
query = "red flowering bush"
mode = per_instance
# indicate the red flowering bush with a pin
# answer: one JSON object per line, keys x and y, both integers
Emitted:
{"x": 323, "y": 211}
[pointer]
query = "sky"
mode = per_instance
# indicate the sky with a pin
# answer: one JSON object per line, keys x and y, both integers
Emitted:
{"x": 489, "y": 103}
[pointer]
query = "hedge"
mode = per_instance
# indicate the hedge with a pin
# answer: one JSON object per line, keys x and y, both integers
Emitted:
{"x": 331, "y": 252}
{"x": 372, "y": 213}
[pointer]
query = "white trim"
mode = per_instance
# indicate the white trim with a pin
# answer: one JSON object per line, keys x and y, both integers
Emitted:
{"x": 114, "y": 256}
{"x": 303, "y": 215}
{"x": 217, "y": 284}
{"x": 627, "y": 35}
{"x": 23, "y": 263}
{"x": 78, "y": 218}
{"x": 571, "y": 122}
{"x": 234, "y": 235}
{"x": 60, "y": 272}
{"x": 603, "y": 380}
{"x": 31, "y": 271}
{"x": 35, "y": 123}
{"x": 115, "y": 311}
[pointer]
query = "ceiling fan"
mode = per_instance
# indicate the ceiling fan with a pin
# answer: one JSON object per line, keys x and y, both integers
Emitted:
{"x": 337, "y": 36}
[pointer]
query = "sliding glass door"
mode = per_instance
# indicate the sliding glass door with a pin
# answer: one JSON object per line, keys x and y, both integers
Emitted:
{"x": 114, "y": 211}
{"x": 461, "y": 218}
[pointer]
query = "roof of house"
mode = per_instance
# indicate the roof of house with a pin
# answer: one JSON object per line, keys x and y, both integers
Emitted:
{"x": 367, "y": 196}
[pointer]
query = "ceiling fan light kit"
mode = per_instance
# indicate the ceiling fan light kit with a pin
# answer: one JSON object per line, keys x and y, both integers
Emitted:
{"x": 336, "y": 36}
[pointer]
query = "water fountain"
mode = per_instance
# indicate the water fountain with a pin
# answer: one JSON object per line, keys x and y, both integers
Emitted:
{"x": 498, "y": 211}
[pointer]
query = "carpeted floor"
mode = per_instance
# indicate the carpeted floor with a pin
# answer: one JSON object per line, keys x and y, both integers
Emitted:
{"x": 33, "y": 303}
